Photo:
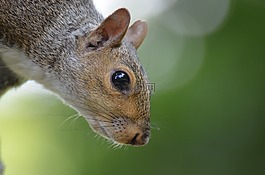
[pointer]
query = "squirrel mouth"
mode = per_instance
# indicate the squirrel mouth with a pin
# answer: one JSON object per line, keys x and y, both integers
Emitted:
{"x": 130, "y": 134}
{"x": 121, "y": 130}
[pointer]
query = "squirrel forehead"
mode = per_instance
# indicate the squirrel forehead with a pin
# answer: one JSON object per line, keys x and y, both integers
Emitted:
{"x": 126, "y": 54}
{"x": 128, "y": 57}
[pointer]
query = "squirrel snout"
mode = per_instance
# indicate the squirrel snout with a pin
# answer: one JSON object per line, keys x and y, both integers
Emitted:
{"x": 123, "y": 131}
{"x": 140, "y": 138}
{"x": 136, "y": 136}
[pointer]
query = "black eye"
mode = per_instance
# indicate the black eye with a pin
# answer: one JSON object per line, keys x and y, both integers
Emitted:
{"x": 121, "y": 81}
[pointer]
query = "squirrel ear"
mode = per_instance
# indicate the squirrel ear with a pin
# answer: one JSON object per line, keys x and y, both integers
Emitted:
{"x": 111, "y": 31}
{"x": 136, "y": 33}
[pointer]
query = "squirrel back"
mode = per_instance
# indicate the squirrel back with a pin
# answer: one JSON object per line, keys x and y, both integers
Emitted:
{"x": 88, "y": 61}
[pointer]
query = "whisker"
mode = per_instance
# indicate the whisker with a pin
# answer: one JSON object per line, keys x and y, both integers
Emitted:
{"x": 74, "y": 121}
{"x": 112, "y": 144}
{"x": 103, "y": 109}
{"x": 106, "y": 110}
{"x": 69, "y": 118}
{"x": 76, "y": 116}
{"x": 105, "y": 126}
{"x": 126, "y": 147}
{"x": 93, "y": 110}
{"x": 154, "y": 126}
{"x": 98, "y": 120}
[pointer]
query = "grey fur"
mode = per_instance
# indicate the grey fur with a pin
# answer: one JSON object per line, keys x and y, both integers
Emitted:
{"x": 8, "y": 79}
{"x": 25, "y": 22}
{"x": 48, "y": 40}
{"x": 45, "y": 30}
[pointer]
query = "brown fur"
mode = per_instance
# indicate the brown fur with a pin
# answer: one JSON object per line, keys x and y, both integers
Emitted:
{"x": 69, "y": 48}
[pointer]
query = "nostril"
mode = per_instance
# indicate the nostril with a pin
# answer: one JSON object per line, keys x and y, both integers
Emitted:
{"x": 134, "y": 139}
{"x": 145, "y": 135}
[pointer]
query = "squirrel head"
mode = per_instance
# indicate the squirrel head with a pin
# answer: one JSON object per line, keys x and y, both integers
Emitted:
{"x": 113, "y": 87}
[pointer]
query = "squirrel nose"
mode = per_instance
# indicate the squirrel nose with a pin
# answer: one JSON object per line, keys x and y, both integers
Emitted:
{"x": 139, "y": 139}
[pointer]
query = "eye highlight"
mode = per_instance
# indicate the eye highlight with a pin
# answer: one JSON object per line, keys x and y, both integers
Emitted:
{"x": 121, "y": 81}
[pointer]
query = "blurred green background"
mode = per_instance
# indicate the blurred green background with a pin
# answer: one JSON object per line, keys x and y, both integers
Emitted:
{"x": 208, "y": 111}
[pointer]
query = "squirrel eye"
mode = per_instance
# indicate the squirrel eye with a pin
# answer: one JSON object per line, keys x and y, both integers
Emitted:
{"x": 121, "y": 81}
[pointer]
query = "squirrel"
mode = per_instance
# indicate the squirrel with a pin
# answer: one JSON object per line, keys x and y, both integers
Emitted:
{"x": 89, "y": 62}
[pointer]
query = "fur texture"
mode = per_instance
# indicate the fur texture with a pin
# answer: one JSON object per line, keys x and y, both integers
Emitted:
{"x": 68, "y": 47}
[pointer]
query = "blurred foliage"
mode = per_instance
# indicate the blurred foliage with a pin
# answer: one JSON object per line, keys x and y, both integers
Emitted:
{"x": 212, "y": 124}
